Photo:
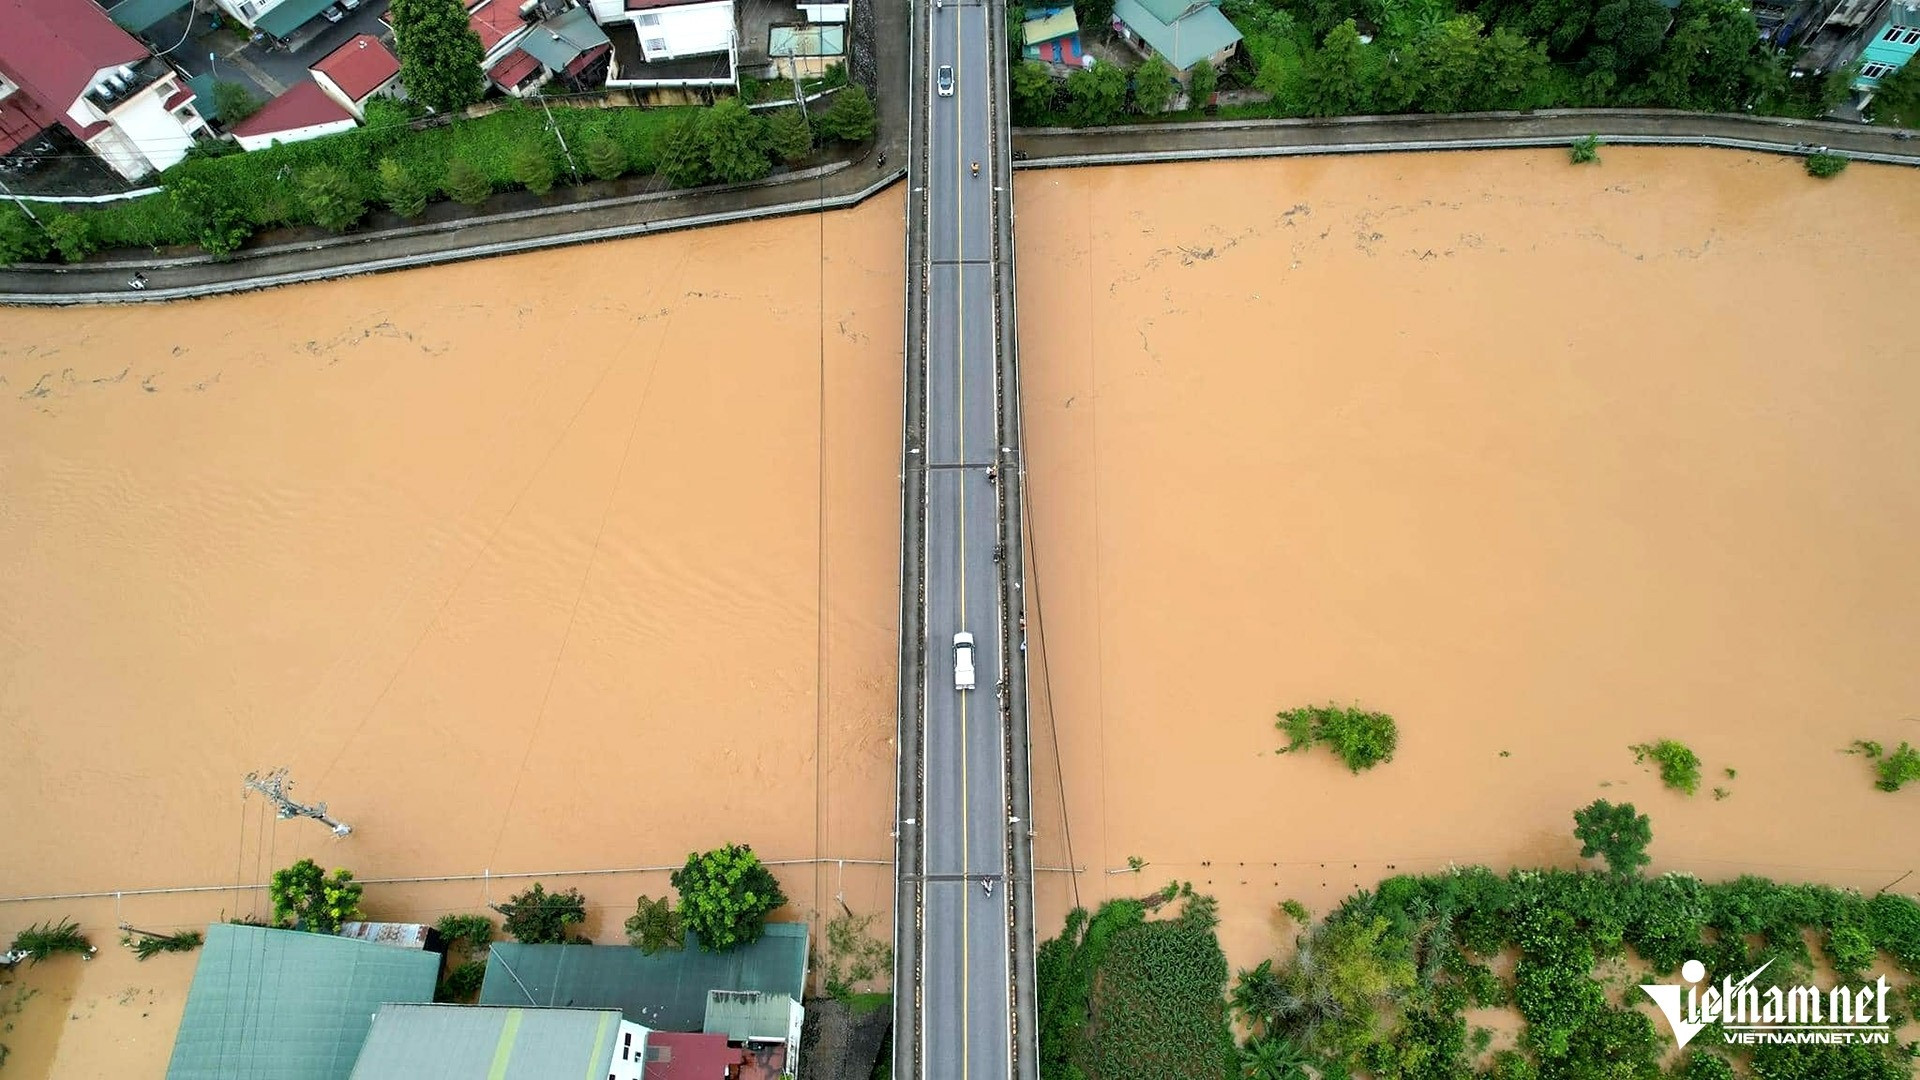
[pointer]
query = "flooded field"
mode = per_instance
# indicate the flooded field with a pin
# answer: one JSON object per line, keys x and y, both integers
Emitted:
{"x": 567, "y": 561}
{"x": 1542, "y": 460}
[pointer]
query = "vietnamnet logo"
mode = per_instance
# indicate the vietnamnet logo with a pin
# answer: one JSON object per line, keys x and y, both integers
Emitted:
{"x": 1799, "y": 1014}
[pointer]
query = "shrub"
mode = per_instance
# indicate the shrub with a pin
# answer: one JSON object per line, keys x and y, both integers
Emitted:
{"x": 733, "y": 143}
{"x": 468, "y": 932}
{"x": 21, "y": 240}
{"x": 1679, "y": 766}
{"x": 233, "y": 102}
{"x": 331, "y": 197}
{"x": 788, "y": 136}
{"x": 538, "y": 917}
{"x": 401, "y": 190}
{"x": 1362, "y": 739}
{"x": 1899, "y": 768}
{"x": 682, "y": 152}
{"x": 461, "y": 982}
{"x": 1586, "y": 149}
{"x": 850, "y": 118}
{"x": 533, "y": 168}
{"x": 224, "y": 231}
{"x": 306, "y": 898}
{"x": 1618, "y": 834}
{"x": 466, "y": 184}
{"x": 654, "y": 925}
{"x": 1201, "y": 82}
{"x": 606, "y": 158}
{"x": 50, "y": 939}
{"x": 1824, "y": 164}
{"x": 72, "y": 235}
{"x": 726, "y": 895}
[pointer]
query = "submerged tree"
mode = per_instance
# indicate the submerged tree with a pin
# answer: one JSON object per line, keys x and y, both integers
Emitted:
{"x": 1617, "y": 834}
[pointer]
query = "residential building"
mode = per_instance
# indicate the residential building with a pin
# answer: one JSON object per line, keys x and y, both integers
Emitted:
{"x": 357, "y": 72}
{"x": 1893, "y": 43}
{"x": 766, "y": 1026}
{"x": 829, "y": 12}
{"x": 482, "y": 1042}
{"x": 670, "y": 43}
{"x": 284, "y": 1005}
{"x": 1839, "y": 31}
{"x": 665, "y": 991}
{"x": 65, "y": 62}
{"x": 1052, "y": 37}
{"x": 675, "y": 1055}
{"x": 1184, "y": 32}
{"x": 302, "y": 113}
{"x": 276, "y": 18}
{"x": 802, "y": 52}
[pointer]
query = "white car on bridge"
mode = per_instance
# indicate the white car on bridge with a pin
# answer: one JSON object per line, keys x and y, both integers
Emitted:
{"x": 963, "y": 661}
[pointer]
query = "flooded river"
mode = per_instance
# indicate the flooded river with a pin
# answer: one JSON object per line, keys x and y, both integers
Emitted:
{"x": 582, "y": 560}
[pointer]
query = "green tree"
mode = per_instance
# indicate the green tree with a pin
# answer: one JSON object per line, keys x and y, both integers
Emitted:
{"x": 1273, "y": 1057}
{"x": 1330, "y": 80}
{"x": 1627, "y": 35}
{"x": 439, "y": 53}
{"x": 401, "y": 190}
{"x": 1515, "y": 70}
{"x": 470, "y": 933}
{"x": 466, "y": 184}
{"x": 1345, "y": 972}
{"x": 1617, "y": 834}
{"x": 850, "y": 118}
{"x": 1201, "y": 81}
{"x": 726, "y": 895}
{"x": 1095, "y": 16}
{"x": 606, "y": 158}
{"x": 222, "y": 226}
{"x": 1033, "y": 90}
{"x": 1897, "y": 101}
{"x": 733, "y": 143}
{"x": 654, "y": 925}
{"x": 532, "y": 167}
{"x": 1711, "y": 61}
{"x": 538, "y": 917}
{"x": 682, "y": 152}
{"x": 788, "y": 136}
{"x": 1454, "y": 69}
{"x": 72, "y": 234}
{"x": 1153, "y": 85}
{"x": 1097, "y": 95}
{"x": 306, "y": 898}
{"x": 233, "y": 102}
{"x": 331, "y": 197}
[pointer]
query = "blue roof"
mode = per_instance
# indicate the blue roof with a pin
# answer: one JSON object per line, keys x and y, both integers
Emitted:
{"x": 1190, "y": 38}
{"x": 287, "y": 1005}
{"x": 666, "y": 991}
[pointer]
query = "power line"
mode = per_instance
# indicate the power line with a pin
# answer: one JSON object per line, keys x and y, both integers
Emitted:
{"x": 275, "y": 786}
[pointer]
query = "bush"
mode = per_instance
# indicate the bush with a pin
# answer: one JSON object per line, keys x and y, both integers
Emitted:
{"x": 1899, "y": 768}
{"x": 468, "y": 932}
{"x": 538, "y": 917}
{"x": 1201, "y": 82}
{"x": 850, "y": 118}
{"x": 533, "y": 168}
{"x": 1618, "y": 834}
{"x": 21, "y": 240}
{"x": 1823, "y": 164}
{"x": 331, "y": 198}
{"x": 71, "y": 234}
{"x": 234, "y": 103}
{"x": 1362, "y": 739}
{"x": 726, "y": 895}
{"x": 1679, "y": 766}
{"x": 462, "y": 982}
{"x": 733, "y": 143}
{"x": 306, "y": 898}
{"x": 466, "y": 184}
{"x": 146, "y": 946}
{"x": 1586, "y": 149}
{"x": 788, "y": 136}
{"x": 682, "y": 152}
{"x": 606, "y": 158}
{"x": 401, "y": 190}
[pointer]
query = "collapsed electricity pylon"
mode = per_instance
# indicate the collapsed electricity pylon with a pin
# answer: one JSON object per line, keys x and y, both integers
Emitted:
{"x": 275, "y": 786}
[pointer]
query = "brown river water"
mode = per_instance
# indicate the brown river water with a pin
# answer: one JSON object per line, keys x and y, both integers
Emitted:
{"x": 560, "y": 563}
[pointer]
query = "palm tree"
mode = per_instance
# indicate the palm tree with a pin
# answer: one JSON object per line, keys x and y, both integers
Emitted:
{"x": 1272, "y": 1058}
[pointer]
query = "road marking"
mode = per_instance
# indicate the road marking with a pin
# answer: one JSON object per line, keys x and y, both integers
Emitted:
{"x": 960, "y": 314}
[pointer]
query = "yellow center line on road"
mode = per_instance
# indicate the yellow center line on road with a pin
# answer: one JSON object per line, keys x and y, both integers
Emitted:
{"x": 960, "y": 314}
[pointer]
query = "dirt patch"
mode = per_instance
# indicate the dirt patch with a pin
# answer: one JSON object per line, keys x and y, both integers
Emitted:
{"x": 842, "y": 1042}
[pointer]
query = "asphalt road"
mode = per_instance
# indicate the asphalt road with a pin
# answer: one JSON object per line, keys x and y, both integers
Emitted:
{"x": 964, "y": 1030}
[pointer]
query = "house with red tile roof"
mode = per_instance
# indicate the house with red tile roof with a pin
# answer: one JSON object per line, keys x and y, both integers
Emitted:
{"x": 302, "y": 113}
{"x": 357, "y": 71}
{"x": 65, "y": 62}
{"x": 526, "y": 44}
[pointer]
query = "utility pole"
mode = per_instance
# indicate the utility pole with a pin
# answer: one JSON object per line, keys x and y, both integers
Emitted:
{"x": 24, "y": 208}
{"x": 571, "y": 167}
{"x": 275, "y": 786}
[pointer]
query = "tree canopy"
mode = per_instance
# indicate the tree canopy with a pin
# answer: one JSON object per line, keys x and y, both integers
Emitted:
{"x": 1617, "y": 834}
{"x": 726, "y": 896}
{"x": 439, "y": 53}
{"x": 538, "y": 917}
{"x": 306, "y": 898}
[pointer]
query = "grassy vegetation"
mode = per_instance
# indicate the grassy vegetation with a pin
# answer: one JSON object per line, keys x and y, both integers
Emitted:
{"x": 854, "y": 955}
{"x": 1895, "y": 770}
{"x": 1123, "y": 997}
{"x": 1362, "y": 739}
{"x": 146, "y": 946}
{"x": 1679, "y": 766}
{"x": 1823, "y": 164}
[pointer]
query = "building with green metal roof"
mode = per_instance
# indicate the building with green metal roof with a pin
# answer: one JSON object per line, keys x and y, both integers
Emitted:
{"x": 480, "y": 1042}
{"x": 285, "y": 1005}
{"x": 1185, "y": 32}
{"x": 666, "y": 991}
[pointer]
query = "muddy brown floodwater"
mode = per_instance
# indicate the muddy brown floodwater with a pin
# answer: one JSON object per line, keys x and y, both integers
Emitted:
{"x": 1542, "y": 460}
{"x": 520, "y": 565}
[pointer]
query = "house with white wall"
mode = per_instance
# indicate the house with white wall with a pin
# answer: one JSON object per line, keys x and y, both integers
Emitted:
{"x": 357, "y": 72}
{"x": 65, "y": 62}
{"x": 670, "y": 43}
{"x": 302, "y": 113}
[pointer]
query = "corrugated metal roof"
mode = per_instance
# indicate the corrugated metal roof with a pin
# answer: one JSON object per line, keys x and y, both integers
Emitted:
{"x": 666, "y": 991}
{"x": 285, "y": 1005}
{"x": 1187, "y": 40}
{"x": 465, "y": 1042}
{"x": 743, "y": 1015}
{"x": 1057, "y": 25}
{"x": 290, "y": 15}
{"x": 136, "y": 15}
{"x": 557, "y": 41}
